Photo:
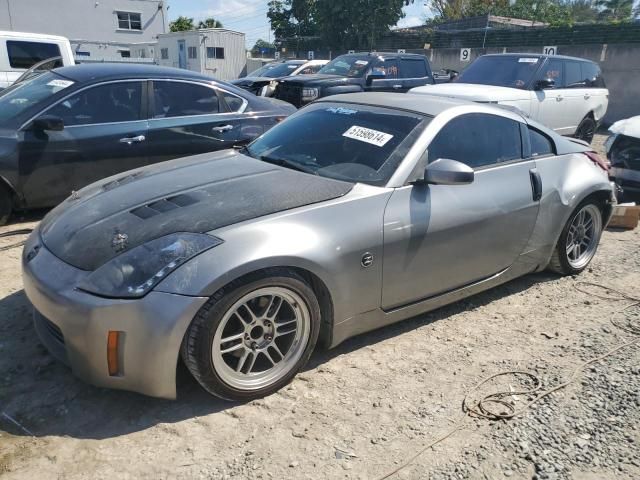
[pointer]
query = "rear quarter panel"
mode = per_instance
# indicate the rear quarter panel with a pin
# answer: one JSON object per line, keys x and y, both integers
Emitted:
{"x": 566, "y": 181}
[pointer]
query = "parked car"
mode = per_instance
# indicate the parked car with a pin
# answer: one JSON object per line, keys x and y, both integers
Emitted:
{"x": 263, "y": 81}
{"x": 358, "y": 72}
{"x": 356, "y": 212}
{"x": 74, "y": 125}
{"x": 566, "y": 94}
{"x": 623, "y": 152}
{"x": 20, "y": 51}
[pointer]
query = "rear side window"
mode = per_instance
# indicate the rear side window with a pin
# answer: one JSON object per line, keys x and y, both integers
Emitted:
{"x": 592, "y": 75}
{"x": 182, "y": 99}
{"x": 413, "y": 68}
{"x": 27, "y": 54}
{"x": 234, "y": 102}
{"x": 573, "y": 75}
{"x": 389, "y": 66}
{"x": 540, "y": 143}
{"x": 478, "y": 139}
{"x": 113, "y": 102}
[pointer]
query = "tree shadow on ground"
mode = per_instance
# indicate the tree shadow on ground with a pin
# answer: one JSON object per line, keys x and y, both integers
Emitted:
{"x": 44, "y": 398}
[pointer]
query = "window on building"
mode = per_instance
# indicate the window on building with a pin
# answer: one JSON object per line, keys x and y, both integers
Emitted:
{"x": 125, "y": 53}
{"x": 472, "y": 139}
{"x": 193, "y": 52}
{"x": 215, "y": 52}
{"x": 164, "y": 53}
{"x": 27, "y": 54}
{"x": 129, "y": 21}
{"x": 113, "y": 102}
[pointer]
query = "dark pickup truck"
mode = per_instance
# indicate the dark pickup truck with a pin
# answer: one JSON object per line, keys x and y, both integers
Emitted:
{"x": 358, "y": 72}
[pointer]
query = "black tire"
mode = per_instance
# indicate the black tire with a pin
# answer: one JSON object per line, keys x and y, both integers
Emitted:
{"x": 197, "y": 345}
{"x": 560, "y": 262}
{"x": 6, "y": 205}
{"x": 586, "y": 130}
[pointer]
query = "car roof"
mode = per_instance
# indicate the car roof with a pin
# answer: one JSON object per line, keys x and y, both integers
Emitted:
{"x": 32, "y": 36}
{"x": 382, "y": 54}
{"x": 420, "y": 103}
{"x": 112, "y": 71}
{"x": 537, "y": 55}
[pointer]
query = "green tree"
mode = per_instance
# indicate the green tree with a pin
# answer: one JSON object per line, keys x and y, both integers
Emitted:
{"x": 615, "y": 10}
{"x": 210, "y": 23}
{"x": 182, "y": 24}
{"x": 582, "y": 11}
{"x": 357, "y": 24}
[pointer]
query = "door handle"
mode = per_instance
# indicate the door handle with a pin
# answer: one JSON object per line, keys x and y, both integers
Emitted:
{"x": 397, "y": 87}
{"x": 536, "y": 184}
{"x": 559, "y": 98}
{"x": 130, "y": 140}
{"x": 587, "y": 96}
{"x": 222, "y": 128}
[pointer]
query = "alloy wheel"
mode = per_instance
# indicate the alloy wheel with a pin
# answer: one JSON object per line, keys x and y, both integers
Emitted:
{"x": 261, "y": 337}
{"x": 583, "y": 236}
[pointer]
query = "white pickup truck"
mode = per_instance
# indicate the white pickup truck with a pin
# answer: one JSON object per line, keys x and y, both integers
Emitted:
{"x": 21, "y": 51}
{"x": 566, "y": 94}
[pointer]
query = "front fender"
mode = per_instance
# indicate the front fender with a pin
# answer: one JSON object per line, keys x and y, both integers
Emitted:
{"x": 328, "y": 240}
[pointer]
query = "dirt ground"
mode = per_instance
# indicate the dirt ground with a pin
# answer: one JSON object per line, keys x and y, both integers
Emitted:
{"x": 362, "y": 409}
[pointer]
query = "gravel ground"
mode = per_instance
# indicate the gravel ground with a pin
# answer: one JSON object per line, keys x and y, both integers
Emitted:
{"x": 362, "y": 409}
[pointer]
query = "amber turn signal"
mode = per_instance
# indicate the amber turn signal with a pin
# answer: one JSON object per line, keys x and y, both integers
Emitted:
{"x": 112, "y": 352}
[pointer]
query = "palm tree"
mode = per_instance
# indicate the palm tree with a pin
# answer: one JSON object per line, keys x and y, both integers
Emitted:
{"x": 210, "y": 23}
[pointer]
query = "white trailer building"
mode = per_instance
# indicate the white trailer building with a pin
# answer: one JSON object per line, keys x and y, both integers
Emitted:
{"x": 217, "y": 52}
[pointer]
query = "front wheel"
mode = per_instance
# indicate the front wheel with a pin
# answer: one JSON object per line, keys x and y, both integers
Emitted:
{"x": 578, "y": 241}
{"x": 253, "y": 336}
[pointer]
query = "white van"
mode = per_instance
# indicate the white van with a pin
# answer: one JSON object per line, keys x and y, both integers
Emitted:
{"x": 20, "y": 51}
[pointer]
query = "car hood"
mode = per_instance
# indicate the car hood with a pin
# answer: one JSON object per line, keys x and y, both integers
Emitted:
{"x": 248, "y": 81}
{"x": 629, "y": 127}
{"x": 318, "y": 79}
{"x": 474, "y": 92}
{"x": 193, "y": 194}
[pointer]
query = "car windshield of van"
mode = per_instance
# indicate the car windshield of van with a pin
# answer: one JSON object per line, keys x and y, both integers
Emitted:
{"x": 17, "y": 99}
{"x": 503, "y": 71}
{"x": 346, "y": 66}
{"x": 273, "y": 70}
{"x": 356, "y": 143}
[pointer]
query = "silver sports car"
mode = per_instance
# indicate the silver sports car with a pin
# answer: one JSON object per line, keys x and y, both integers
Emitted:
{"x": 358, "y": 211}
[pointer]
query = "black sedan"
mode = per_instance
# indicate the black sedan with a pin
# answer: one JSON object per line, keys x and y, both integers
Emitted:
{"x": 74, "y": 125}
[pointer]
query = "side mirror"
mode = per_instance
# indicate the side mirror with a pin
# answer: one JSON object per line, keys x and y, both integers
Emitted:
{"x": 376, "y": 74}
{"x": 545, "y": 83}
{"x": 453, "y": 75}
{"x": 448, "y": 172}
{"x": 48, "y": 122}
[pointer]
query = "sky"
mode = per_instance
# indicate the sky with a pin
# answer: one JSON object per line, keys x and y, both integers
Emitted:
{"x": 250, "y": 16}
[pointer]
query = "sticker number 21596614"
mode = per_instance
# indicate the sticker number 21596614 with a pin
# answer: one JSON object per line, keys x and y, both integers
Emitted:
{"x": 368, "y": 135}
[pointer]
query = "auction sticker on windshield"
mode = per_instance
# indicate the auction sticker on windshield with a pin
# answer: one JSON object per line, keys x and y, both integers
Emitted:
{"x": 527, "y": 60}
{"x": 368, "y": 135}
{"x": 60, "y": 83}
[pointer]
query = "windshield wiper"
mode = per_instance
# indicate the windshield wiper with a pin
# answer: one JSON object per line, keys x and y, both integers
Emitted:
{"x": 283, "y": 162}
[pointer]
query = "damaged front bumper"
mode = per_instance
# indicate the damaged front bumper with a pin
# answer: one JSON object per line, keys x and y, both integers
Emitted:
{"x": 75, "y": 326}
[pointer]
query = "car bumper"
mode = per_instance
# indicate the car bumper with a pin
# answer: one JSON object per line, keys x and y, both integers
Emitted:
{"x": 627, "y": 179}
{"x": 74, "y": 326}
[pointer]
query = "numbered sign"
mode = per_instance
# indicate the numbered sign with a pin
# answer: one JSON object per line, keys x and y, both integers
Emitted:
{"x": 276, "y": 55}
{"x": 550, "y": 50}
{"x": 465, "y": 54}
{"x": 310, "y": 55}
{"x": 401, "y": 50}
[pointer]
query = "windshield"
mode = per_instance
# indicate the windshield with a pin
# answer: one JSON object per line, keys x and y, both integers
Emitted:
{"x": 502, "y": 71}
{"x": 273, "y": 70}
{"x": 355, "y": 143}
{"x": 19, "y": 98}
{"x": 346, "y": 66}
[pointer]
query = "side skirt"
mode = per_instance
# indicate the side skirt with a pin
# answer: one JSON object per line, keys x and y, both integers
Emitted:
{"x": 374, "y": 319}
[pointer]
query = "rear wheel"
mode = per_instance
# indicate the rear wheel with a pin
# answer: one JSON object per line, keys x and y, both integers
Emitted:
{"x": 6, "y": 205}
{"x": 579, "y": 240}
{"x": 253, "y": 336}
{"x": 586, "y": 130}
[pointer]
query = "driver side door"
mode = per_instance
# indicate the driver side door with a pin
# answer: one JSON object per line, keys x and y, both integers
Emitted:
{"x": 438, "y": 238}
